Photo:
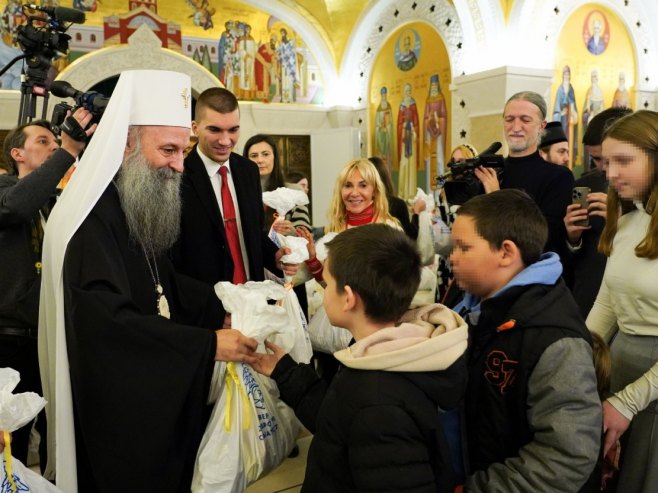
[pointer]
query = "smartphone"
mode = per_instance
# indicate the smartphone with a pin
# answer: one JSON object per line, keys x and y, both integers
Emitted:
{"x": 579, "y": 196}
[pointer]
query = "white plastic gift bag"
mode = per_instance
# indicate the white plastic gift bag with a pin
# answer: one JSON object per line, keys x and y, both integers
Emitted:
{"x": 425, "y": 241}
{"x": 251, "y": 431}
{"x": 283, "y": 200}
{"x": 325, "y": 337}
{"x": 16, "y": 410}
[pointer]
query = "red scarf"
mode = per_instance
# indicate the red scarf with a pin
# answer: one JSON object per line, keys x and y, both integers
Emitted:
{"x": 360, "y": 218}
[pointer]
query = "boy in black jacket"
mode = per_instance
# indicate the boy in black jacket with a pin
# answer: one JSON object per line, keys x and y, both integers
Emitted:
{"x": 376, "y": 426}
{"x": 533, "y": 416}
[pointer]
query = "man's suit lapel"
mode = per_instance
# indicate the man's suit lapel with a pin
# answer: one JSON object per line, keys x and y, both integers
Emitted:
{"x": 200, "y": 183}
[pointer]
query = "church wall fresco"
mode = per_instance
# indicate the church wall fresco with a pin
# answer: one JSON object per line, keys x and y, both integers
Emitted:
{"x": 256, "y": 55}
{"x": 409, "y": 104}
{"x": 595, "y": 69}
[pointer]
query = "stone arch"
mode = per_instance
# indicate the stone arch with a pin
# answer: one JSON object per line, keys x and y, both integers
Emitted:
{"x": 143, "y": 51}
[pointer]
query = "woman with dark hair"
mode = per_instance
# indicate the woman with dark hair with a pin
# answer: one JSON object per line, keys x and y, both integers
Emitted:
{"x": 262, "y": 150}
{"x": 396, "y": 206}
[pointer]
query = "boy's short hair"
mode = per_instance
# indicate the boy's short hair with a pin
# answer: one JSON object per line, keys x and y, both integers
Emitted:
{"x": 380, "y": 264}
{"x": 509, "y": 214}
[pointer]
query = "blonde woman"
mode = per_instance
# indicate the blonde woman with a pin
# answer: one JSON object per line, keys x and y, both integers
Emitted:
{"x": 359, "y": 198}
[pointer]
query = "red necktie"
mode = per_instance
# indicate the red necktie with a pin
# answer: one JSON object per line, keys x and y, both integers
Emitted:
{"x": 231, "y": 228}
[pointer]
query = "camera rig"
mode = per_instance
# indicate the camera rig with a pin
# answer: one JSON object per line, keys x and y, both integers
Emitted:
{"x": 461, "y": 183}
{"x": 41, "y": 38}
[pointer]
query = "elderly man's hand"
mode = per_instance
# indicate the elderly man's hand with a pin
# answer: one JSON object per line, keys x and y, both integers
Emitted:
{"x": 232, "y": 345}
{"x": 488, "y": 177}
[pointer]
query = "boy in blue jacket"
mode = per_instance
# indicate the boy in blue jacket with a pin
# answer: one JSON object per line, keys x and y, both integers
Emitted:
{"x": 533, "y": 416}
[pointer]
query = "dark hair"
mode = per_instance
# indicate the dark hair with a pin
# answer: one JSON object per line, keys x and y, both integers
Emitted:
{"x": 509, "y": 214}
{"x": 383, "y": 174}
{"x": 276, "y": 178}
{"x": 593, "y": 135}
{"x": 217, "y": 99}
{"x": 295, "y": 176}
{"x": 15, "y": 139}
{"x": 381, "y": 264}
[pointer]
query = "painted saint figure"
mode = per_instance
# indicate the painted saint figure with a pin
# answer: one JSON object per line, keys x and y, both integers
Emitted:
{"x": 266, "y": 70}
{"x": 435, "y": 122}
{"x": 227, "y": 55}
{"x": 622, "y": 98}
{"x": 596, "y": 44}
{"x": 247, "y": 58}
{"x": 287, "y": 55}
{"x": 564, "y": 110}
{"x": 384, "y": 138}
{"x": 594, "y": 103}
{"x": 408, "y": 129}
{"x": 407, "y": 59}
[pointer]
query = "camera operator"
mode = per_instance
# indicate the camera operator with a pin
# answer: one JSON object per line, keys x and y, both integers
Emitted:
{"x": 37, "y": 164}
{"x": 524, "y": 119}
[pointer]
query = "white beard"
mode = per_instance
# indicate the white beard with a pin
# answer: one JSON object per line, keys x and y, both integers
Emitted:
{"x": 150, "y": 199}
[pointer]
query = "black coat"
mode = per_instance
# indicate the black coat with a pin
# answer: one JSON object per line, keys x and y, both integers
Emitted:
{"x": 550, "y": 187}
{"x": 399, "y": 210}
{"x": 588, "y": 264}
{"x": 374, "y": 430}
{"x": 139, "y": 381}
{"x": 202, "y": 251}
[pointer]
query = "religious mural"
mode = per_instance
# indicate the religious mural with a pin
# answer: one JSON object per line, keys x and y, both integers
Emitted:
{"x": 254, "y": 54}
{"x": 592, "y": 75}
{"x": 409, "y": 111}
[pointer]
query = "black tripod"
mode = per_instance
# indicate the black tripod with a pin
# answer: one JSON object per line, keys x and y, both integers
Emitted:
{"x": 33, "y": 86}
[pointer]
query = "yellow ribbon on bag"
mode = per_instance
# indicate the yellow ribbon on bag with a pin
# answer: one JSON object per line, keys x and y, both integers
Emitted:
{"x": 8, "y": 467}
{"x": 232, "y": 382}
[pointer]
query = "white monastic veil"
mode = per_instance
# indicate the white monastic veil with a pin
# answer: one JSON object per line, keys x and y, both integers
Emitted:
{"x": 141, "y": 97}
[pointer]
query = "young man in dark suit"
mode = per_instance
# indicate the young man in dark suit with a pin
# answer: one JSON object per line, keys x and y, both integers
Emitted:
{"x": 205, "y": 250}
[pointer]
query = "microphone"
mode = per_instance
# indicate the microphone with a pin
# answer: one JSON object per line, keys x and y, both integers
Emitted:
{"x": 60, "y": 14}
{"x": 92, "y": 101}
{"x": 492, "y": 149}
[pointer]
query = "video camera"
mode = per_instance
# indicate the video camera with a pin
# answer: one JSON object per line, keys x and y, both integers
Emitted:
{"x": 92, "y": 101}
{"x": 43, "y": 37}
{"x": 464, "y": 184}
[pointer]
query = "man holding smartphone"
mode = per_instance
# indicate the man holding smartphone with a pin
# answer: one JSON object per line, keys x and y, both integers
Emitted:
{"x": 584, "y": 221}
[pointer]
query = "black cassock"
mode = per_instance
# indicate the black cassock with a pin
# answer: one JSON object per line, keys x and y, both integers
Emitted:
{"x": 139, "y": 381}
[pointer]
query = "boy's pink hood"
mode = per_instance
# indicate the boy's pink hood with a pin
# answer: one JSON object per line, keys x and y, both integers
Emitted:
{"x": 429, "y": 338}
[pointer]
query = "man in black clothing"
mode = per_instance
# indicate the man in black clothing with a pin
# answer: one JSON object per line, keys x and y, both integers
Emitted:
{"x": 36, "y": 165}
{"x": 549, "y": 185}
{"x": 585, "y": 261}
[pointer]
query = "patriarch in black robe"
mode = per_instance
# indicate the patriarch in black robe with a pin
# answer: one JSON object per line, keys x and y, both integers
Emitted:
{"x": 129, "y": 344}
